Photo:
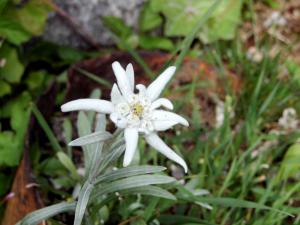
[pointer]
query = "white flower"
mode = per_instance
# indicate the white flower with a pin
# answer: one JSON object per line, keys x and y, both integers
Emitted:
{"x": 137, "y": 113}
{"x": 289, "y": 119}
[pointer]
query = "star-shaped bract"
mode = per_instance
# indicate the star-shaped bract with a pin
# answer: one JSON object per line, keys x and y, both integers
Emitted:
{"x": 137, "y": 113}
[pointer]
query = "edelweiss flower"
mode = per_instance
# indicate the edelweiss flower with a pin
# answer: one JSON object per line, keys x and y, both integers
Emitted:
{"x": 137, "y": 113}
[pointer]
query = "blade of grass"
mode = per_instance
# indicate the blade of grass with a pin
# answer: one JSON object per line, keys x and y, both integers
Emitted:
{"x": 94, "y": 77}
{"x": 41, "y": 120}
{"x": 268, "y": 100}
{"x": 178, "y": 219}
{"x": 239, "y": 203}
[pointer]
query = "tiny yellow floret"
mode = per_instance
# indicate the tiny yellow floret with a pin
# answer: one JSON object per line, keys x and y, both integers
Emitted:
{"x": 137, "y": 109}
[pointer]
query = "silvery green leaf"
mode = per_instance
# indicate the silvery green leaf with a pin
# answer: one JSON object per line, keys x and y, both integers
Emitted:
{"x": 95, "y": 160}
{"x": 204, "y": 205}
{"x": 100, "y": 122}
{"x": 47, "y": 212}
{"x": 76, "y": 190}
{"x": 115, "y": 152}
{"x": 83, "y": 124}
{"x": 91, "y": 138}
{"x": 131, "y": 182}
{"x": 83, "y": 199}
{"x": 150, "y": 190}
{"x": 128, "y": 172}
{"x": 84, "y": 128}
{"x": 199, "y": 192}
{"x": 145, "y": 190}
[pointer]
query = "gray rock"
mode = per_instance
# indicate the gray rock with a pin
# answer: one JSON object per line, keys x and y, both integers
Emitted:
{"x": 88, "y": 14}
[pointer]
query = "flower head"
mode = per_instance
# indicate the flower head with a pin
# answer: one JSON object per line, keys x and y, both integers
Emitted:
{"x": 137, "y": 113}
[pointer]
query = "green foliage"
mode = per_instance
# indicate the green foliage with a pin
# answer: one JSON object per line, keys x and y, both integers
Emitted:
{"x": 42, "y": 214}
{"x": 149, "y": 19}
{"x": 100, "y": 182}
{"x": 3, "y": 5}
{"x": 290, "y": 164}
{"x": 31, "y": 16}
{"x": 19, "y": 23}
{"x": 43, "y": 123}
{"x": 127, "y": 38}
{"x": 182, "y": 16}
{"x": 239, "y": 186}
{"x": 11, "y": 141}
{"x": 294, "y": 70}
{"x": 35, "y": 80}
{"x": 5, "y": 88}
{"x": 83, "y": 199}
{"x": 91, "y": 138}
{"x": 13, "y": 70}
{"x": 68, "y": 164}
{"x": 13, "y": 31}
{"x": 117, "y": 26}
{"x": 151, "y": 42}
{"x": 52, "y": 167}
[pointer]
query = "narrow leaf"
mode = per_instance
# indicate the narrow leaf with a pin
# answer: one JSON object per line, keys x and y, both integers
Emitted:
{"x": 91, "y": 138}
{"x": 128, "y": 172}
{"x": 178, "y": 219}
{"x": 150, "y": 190}
{"x": 113, "y": 155}
{"x": 82, "y": 203}
{"x": 40, "y": 118}
{"x": 146, "y": 190}
{"x": 84, "y": 127}
{"x": 47, "y": 212}
{"x": 237, "y": 203}
{"x": 131, "y": 182}
{"x": 94, "y": 77}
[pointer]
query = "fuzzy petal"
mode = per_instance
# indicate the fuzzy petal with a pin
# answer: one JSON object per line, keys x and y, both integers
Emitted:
{"x": 122, "y": 79}
{"x": 162, "y": 102}
{"x": 141, "y": 88}
{"x": 155, "y": 141}
{"x": 87, "y": 104}
{"x": 157, "y": 86}
{"x": 130, "y": 75}
{"x": 163, "y": 125}
{"x": 115, "y": 95}
{"x": 118, "y": 120}
{"x": 162, "y": 115}
{"x": 131, "y": 139}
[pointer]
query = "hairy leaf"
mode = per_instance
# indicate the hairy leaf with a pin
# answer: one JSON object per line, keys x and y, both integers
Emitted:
{"x": 128, "y": 172}
{"x": 99, "y": 136}
{"x": 47, "y": 212}
{"x": 131, "y": 182}
{"x": 83, "y": 199}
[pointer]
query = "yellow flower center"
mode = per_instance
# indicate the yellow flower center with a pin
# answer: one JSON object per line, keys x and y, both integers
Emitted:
{"x": 137, "y": 109}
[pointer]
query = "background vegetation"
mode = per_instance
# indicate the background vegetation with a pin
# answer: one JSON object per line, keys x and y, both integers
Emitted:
{"x": 248, "y": 150}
